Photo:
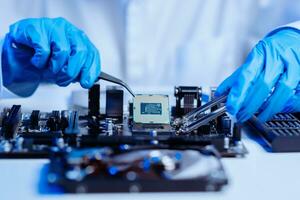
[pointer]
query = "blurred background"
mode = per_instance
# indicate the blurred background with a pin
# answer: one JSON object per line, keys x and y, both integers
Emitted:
{"x": 154, "y": 45}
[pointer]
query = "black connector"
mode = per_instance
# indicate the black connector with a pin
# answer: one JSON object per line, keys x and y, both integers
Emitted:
{"x": 114, "y": 103}
{"x": 188, "y": 98}
{"x": 94, "y": 101}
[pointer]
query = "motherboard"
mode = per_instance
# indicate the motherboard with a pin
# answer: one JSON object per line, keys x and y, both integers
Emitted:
{"x": 148, "y": 122}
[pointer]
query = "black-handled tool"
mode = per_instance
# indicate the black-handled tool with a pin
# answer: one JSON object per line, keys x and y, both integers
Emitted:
{"x": 109, "y": 78}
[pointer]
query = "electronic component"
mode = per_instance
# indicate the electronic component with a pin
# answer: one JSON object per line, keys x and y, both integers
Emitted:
{"x": 72, "y": 123}
{"x": 151, "y": 109}
{"x": 225, "y": 124}
{"x": 94, "y": 101}
{"x": 281, "y": 133}
{"x": 34, "y": 119}
{"x": 187, "y": 99}
{"x": 151, "y": 115}
{"x": 137, "y": 170}
{"x": 53, "y": 122}
{"x": 64, "y": 120}
{"x": 114, "y": 103}
{"x": 10, "y": 122}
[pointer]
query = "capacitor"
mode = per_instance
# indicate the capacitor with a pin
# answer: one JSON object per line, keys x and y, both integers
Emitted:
{"x": 154, "y": 142}
{"x": 10, "y": 122}
{"x": 34, "y": 119}
{"x": 72, "y": 123}
{"x": 19, "y": 144}
{"x": 225, "y": 124}
{"x": 94, "y": 125}
{"x": 153, "y": 133}
{"x": 226, "y": 143}
{"x": 7, "y": 146}
{"x": 53, "y": 123}
{"x": 64, "y": 116}
{"x": 109, "y": 127}
{"x": 60, "y": 143}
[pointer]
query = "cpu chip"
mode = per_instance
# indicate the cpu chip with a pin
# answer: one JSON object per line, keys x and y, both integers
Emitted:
{"x": 151, "y": 109}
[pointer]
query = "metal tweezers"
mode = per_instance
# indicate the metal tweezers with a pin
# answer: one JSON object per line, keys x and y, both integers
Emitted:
{"x": 197, "y": 118}
{"x": 109, "y": 78}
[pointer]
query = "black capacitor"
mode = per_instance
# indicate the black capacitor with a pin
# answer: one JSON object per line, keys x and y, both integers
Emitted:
{"x": 34, "y": 119}
{"x": 64, "y": 116}
{"x": 94, "y": 125}
{"x": 237, "y": 132}
{"x": 10, "y": 122}
{"x": 53, "y": 123}
{"x": 56, "y": 115}
{"x": 94, "y": 101}
{"x": 225, "y": 124}
{"x": 114, "y": 103}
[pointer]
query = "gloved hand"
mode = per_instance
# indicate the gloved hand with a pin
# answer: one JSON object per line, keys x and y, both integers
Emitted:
{"x": 38, "y": 49}
{"x": 268, "y": 82}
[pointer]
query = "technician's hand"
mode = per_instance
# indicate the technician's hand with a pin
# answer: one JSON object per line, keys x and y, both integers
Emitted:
{"x": 268, "y": 82}
{"x": 55, "y": 47}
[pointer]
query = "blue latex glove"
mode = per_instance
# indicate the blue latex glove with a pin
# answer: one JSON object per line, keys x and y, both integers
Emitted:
{"x": 51, "y": 49}
{"x": 268, "y": 82}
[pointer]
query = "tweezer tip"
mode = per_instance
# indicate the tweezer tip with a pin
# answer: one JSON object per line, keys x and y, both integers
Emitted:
{"x": 112, "y": 79}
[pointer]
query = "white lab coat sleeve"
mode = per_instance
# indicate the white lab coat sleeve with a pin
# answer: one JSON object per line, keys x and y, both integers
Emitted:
{"x": 4, "y": 92}
{"x": 293, "y": 25}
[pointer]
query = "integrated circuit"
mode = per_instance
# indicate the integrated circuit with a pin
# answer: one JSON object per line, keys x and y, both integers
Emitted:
{"x": 151, "y": 109}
